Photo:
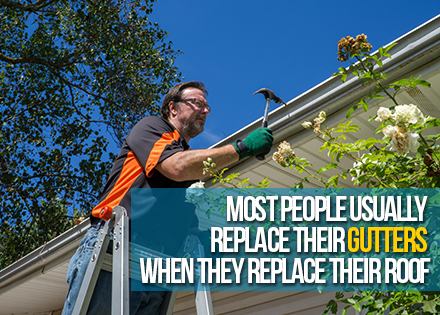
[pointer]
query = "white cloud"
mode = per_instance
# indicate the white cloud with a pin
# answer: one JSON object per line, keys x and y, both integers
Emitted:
{"x": 205, "y": 140}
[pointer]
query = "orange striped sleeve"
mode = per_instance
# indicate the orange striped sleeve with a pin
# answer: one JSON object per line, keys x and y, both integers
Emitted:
{"x": 130, "y": 171}
{"x": 156, "y": 152}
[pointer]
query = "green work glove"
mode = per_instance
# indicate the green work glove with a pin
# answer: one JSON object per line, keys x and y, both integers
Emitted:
{"x": 257, "y": 141}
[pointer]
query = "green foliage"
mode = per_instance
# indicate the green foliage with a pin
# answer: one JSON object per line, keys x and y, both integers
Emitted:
{"x": 406, "y": 157}
{"x": 231, "y": 179}
{"x": 72, "y": 75}
{"x": 403, "y": 158}
{"x": 390, "y": 162}
{"x": 394, "y": 302}
{"x": 386, "y": 163}
{"x": 366, "y": 67}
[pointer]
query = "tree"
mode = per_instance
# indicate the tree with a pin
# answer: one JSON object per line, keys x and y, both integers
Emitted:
{"x": 72, "y": 75}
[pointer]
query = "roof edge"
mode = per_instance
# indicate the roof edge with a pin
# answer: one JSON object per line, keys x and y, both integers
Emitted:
{"x": 333, "y": 88}
{"x": 416, "y": 48}
{"x": 43, "y": 255}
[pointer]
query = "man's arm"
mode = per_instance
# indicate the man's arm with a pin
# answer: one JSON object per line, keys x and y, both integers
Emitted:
{"x": 188, "y": 165}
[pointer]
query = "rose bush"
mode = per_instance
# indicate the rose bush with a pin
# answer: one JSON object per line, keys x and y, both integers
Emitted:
{"x": 406, "y": 157}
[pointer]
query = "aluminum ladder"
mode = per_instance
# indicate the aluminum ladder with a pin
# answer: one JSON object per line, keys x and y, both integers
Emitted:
{"x": 118, "y": 263}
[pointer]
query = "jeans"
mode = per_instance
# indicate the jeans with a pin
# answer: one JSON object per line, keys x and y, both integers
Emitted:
{"x": 141, "y": 303}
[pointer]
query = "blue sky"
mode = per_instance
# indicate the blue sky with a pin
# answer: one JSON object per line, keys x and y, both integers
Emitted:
{"x": 237, "y": 47}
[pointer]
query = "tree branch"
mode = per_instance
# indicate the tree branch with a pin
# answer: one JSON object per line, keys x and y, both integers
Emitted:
{"x": 79, "y": 87}
{"x": 24, "y": 197}
{"x": 31, "y": 60}
{"x": 27, "y": 7}
{"x": 63, "y": 62}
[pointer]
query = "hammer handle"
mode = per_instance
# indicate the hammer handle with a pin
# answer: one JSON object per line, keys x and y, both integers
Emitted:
{"x": 260, "y": 156}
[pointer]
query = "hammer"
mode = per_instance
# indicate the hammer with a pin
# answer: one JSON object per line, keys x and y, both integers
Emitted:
{"x": 269, "y": 95}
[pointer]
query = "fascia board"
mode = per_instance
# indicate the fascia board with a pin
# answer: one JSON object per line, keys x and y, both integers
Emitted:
{"x": 41, "y": 259}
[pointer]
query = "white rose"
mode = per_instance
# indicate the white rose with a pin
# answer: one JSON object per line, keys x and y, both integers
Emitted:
{"x": 400, "y": 140}
{"x": 383, "y": 113}
{"x": 390, "y": 131}
{"x": 307, "y": 125}
{"x": 199, "y": 184}
{"x": 413, "y": 141}
{"x": 319, "y": 120}
{"x": 194, "y": 194}
{"x": 408, "y": 114}
{"x": 285, "y": 150}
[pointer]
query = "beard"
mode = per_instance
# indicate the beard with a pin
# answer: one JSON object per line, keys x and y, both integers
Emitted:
{"x": 193, "y": 128}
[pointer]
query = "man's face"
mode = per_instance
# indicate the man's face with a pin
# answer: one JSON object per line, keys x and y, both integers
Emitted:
{"x": 192, "y": 117}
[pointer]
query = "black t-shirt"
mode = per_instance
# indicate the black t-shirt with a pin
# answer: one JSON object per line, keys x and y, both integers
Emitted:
{"x": 152, "y": 140}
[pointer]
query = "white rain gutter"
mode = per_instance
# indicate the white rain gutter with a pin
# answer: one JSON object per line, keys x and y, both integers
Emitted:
{"x": 43, "y": 258}
{"x": 419, "y": 47}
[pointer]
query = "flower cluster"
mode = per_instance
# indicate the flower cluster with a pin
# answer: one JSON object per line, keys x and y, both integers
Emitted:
{"x": 195, "y": 193}
{"x": 383, "y": 114}
{"x": 403, "y": 114}
{"x": 401, "y": 140}
{"x": 284, "y": 153}
{"x": 349, "y": 44}
{"x": 318, "y": 121}
{"x": 208, "y": 164}
{"x": 408, "y": 114}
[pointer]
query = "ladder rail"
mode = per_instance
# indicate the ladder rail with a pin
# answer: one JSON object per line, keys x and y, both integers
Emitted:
{"x": 201, "y": 291}
{"x": 92, "y": 272}
{"x": 120, "y": 272}
{"x": 120, "y": 261}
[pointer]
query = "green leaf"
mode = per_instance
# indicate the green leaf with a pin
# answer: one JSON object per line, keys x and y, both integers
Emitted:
{"x": 339, "y": 156}
{"x": 363, "y": 104}
{"x": 397, "y": 311}
{"x": 344, "y": 311}
{"x": 351, "y": 111}
{"x": 423, "y": 83}
{"x": 381, "y": 51}
{"x": 327, "y": 167}
{"x": 357, "y": 307}
{"x": 353, "y": 128}
{"x": 430, "y": 306}
{"x": 378, "y": 303}
{"x": 433, "y": 123}
{"x": 389, "y": 47}
{"x": 333, "y": 180}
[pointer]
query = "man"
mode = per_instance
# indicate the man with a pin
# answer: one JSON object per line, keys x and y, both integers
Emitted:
{"x": 156, "y": 154}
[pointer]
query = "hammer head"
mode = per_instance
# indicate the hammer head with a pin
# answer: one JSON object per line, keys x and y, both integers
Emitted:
{"x": 268, "y": 94}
